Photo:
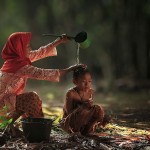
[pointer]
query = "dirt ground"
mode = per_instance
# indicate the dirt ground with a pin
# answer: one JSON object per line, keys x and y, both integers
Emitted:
{"x": 129, "y": 128}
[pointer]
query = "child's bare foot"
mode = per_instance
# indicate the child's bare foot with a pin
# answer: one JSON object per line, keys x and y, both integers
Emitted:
{"x": 76, "y": 136}
{"x": 107, "y": 119}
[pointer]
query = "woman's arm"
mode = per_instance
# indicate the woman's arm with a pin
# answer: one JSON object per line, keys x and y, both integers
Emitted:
{"x": 54, "y": 75}
{"x": 47, "y": 50}
{"x": 32, "y": 72}
{"x": 42, "y": 52}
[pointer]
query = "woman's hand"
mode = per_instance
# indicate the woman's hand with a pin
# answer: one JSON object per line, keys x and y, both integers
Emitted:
{"x": 71, "y": 68}
{"x": 63, "y": 39}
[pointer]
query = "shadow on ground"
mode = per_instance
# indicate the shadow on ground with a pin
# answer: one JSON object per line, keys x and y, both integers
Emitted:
{"x": 128, "y": 109}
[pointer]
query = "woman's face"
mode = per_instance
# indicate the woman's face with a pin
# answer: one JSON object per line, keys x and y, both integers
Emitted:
{"x": 84, "y": 82}
{"x": 28, "y": 49}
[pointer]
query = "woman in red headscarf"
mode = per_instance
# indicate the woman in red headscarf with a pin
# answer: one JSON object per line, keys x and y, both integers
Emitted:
{"x": 17, "y": 68}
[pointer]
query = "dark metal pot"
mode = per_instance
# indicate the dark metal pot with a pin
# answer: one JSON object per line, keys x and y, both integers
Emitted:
{"x": 37, "y": 129}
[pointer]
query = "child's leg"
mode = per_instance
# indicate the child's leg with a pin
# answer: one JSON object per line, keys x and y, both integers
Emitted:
{"x": 96, "y": 114}
{"x": 74, "y": 121}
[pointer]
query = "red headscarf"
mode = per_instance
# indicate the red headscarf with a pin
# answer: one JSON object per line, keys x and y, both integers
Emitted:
{"x": 14, "y": 52}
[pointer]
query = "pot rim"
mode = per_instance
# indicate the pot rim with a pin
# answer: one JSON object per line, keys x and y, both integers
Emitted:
{"x": 31, "y": 120}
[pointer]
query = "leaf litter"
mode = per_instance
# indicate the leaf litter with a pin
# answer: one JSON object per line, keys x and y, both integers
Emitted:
{"x": 112, "y": 137}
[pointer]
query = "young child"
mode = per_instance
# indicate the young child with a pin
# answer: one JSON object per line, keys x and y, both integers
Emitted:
{"x": 79, "y": 113}
{"x": 17, "y": 68}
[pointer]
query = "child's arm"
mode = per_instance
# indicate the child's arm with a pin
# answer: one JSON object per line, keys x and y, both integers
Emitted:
{"x": 68, "y": 107}
{"x": 89, "y": 101}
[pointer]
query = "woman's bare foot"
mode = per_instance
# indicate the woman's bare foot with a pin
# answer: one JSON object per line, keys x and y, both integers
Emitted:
{"x": 13, "y": 131}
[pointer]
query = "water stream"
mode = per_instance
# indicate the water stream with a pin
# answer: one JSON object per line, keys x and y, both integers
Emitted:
{"x": 78, "y": 53}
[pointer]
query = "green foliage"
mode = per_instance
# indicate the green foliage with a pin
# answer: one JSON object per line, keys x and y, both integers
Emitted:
{"x": 4, "y": 119}
{"x": 5, "y": 122}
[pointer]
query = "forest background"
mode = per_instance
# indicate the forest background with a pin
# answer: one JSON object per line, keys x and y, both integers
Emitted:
{"x": 117, "y": 51}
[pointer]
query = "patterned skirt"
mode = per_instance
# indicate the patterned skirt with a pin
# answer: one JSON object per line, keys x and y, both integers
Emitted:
{"x": 29, "y": 104}
{"x": 83, "y": 119}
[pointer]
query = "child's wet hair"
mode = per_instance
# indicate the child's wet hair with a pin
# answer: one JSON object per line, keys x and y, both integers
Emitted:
{"x": 80, "y": 72}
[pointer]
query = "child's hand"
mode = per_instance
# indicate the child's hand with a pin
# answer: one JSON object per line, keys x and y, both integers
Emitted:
{"x": 88, "y": 103}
